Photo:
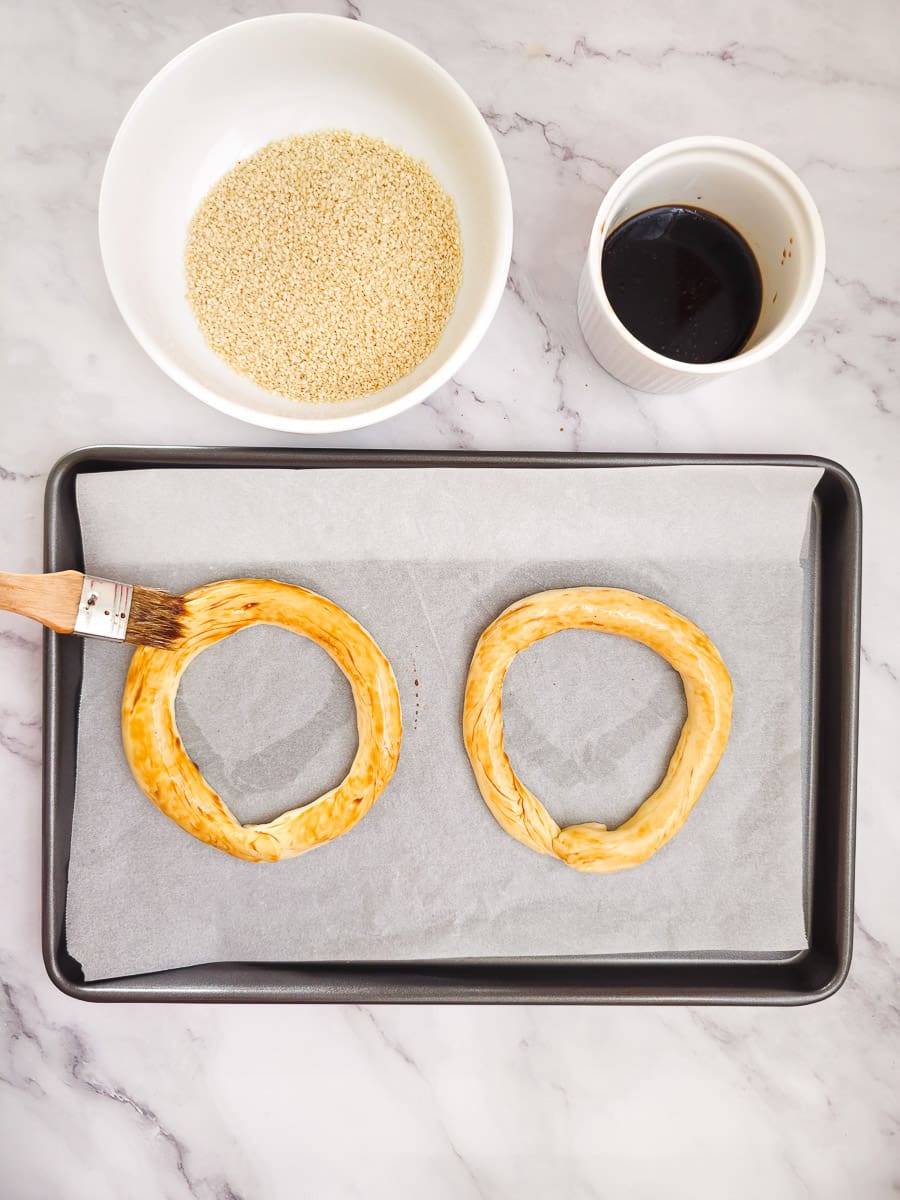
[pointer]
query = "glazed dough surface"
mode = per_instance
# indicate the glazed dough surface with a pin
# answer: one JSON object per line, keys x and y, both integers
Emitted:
{"x": 707, "y": 688}
{"x": 160, "y": 763}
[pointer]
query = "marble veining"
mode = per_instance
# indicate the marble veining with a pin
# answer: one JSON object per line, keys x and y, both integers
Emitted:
{"x": 243, "y": 1103}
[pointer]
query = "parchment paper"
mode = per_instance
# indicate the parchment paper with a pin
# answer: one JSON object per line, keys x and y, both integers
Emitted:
{"x": 425, "y": 559}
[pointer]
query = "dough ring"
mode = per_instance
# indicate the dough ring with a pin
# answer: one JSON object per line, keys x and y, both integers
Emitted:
{"x": 159, "y": 761}
{"x": 707, "y": 688}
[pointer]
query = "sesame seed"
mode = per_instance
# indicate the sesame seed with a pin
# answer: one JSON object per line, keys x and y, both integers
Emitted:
{"x": 325, "y": 266}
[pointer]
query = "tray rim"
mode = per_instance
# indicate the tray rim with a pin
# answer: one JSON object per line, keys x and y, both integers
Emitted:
{"x": 372, "y": 982}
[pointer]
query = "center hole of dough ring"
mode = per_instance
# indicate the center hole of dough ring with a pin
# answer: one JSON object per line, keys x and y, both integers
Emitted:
{"x": 269, "y": 719}
{"x": 708, "y": 693}
{"x": 590, "y": 722}
{"x": 166, "y": 774}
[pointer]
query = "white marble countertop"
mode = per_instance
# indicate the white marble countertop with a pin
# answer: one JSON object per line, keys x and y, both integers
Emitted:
{"x": 105, "y": 1101}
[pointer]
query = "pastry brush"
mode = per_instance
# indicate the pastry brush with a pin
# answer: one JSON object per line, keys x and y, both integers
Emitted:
{"x": 70, "y": 602}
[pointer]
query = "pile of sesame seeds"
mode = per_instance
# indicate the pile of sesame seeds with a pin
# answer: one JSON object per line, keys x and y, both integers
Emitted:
{"x": 325, "y": 266}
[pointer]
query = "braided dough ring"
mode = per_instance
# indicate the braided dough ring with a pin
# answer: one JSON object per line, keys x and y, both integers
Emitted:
{"x": 707, "y": 688}
{"x": 159, "y": 761}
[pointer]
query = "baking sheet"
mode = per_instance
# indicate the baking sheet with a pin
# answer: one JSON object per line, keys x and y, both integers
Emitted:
{"x": 425, "y": 558}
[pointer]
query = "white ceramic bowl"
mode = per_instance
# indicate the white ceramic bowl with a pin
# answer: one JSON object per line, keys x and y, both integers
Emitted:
{"x": 227, "y": 96}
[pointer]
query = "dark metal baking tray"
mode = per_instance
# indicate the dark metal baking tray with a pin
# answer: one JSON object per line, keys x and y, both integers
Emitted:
{"x": 831, "y": 731}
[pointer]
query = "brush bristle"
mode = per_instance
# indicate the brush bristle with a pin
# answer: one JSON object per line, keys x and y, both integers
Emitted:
{"x": 156, "y": 619}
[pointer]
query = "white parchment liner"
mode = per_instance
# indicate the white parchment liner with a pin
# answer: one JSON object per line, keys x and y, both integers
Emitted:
{"x": 425, "y": 558}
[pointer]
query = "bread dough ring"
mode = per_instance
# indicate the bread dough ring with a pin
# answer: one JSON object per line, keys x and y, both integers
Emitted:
{"x": 160, "y": 763}
{"x": 707, "y": 688}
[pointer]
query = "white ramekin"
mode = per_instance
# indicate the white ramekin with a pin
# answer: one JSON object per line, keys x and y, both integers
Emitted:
{"x": 755, "y": 192}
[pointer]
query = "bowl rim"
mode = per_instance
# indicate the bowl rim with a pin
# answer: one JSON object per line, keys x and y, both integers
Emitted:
{"x": 491, "y": 297}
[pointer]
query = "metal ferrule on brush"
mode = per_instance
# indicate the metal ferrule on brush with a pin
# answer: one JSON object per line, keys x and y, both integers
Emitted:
{"x": 103, "y": 609}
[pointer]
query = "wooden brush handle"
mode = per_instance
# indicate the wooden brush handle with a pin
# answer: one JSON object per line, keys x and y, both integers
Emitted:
{"x": 51, "y": 599}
